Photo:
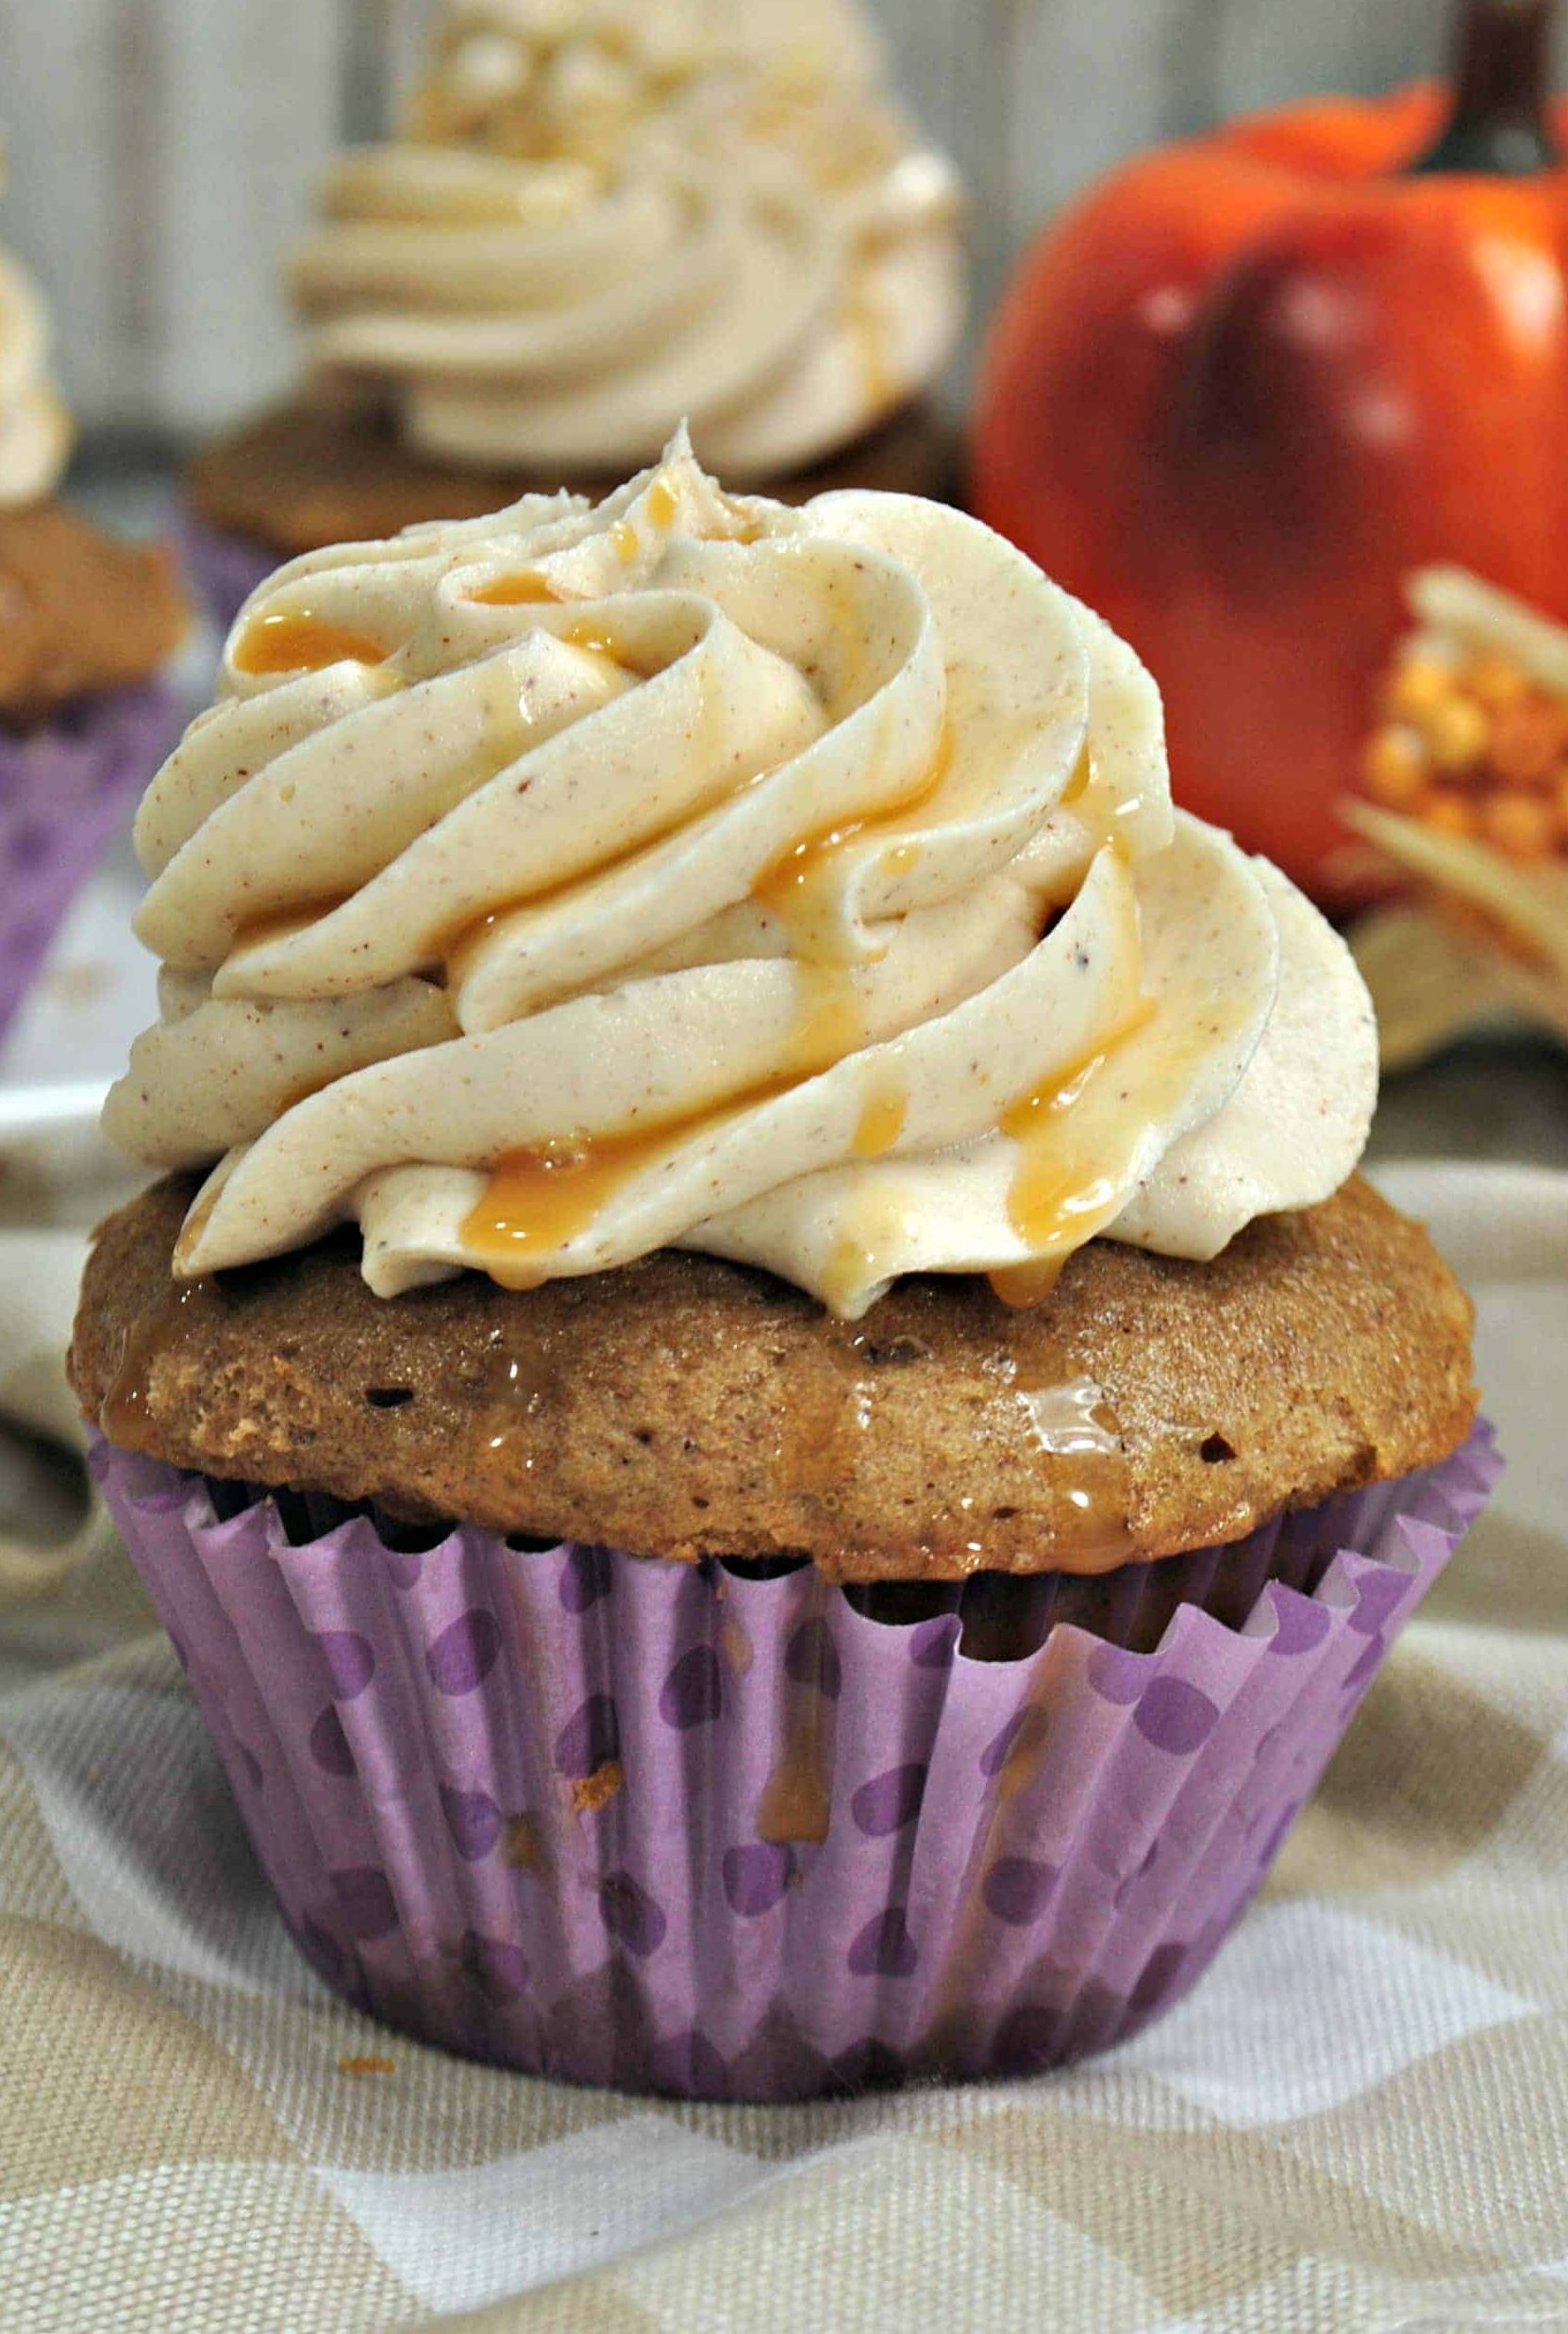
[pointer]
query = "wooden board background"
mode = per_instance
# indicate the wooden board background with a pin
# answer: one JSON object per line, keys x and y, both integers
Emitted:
{"x": 163, "y": 151}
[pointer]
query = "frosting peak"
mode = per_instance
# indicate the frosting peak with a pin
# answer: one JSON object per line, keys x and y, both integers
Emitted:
{"x": 800, "y": 885}
{"x": 601, "y": 217}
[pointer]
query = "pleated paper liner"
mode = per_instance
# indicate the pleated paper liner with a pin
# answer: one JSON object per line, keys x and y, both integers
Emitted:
{"x": 627, "y": 1822}
{"x": 66, "y": 788}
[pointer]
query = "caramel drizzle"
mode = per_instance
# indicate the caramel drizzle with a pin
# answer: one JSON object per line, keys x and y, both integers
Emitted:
{"x": 528, "y": 590}
{"x": 883, "y": 1109}
{"x": 795, "y": 1806}
{"x": 791, "y": 885}
{"x": 538, "y": 1199}
{"x": 302, "y": 642}
{"x": 123, "y": 1414}
{"x": 1061, "y": 1193}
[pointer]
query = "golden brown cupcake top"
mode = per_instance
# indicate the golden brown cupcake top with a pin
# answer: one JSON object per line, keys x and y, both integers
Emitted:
{"x": 683, "y": 1406}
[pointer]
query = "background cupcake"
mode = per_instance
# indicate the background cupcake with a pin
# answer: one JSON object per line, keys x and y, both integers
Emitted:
{"x": 1020, "y": 1477}
{"x": 85, "y": 625}
{"x": 597, "y": 221}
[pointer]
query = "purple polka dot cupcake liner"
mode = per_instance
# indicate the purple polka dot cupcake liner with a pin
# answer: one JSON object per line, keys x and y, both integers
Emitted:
{"x": 221, "y": 571}
{"x": 66, "y": 788}
{"x": 689, "y": 1830}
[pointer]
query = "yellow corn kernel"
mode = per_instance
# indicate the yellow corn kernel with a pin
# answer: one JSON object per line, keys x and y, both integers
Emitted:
{"x": 1394, "y": 765}
{"x": 1416, "y": 687}
{"x": 1529, "y": 740}
{"x": 1456, "y": 732}
{"x": 1496, "y": 681}
{"x": 1524, "y": 825}
{"x": 1450, "y": 814}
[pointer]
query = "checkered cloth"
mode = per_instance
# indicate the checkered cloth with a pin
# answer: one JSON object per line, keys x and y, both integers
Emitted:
{"x": 1359, "y": 2120}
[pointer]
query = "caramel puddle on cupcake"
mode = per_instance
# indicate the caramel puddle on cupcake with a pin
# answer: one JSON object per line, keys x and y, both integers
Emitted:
{"x": 301, "y": 643}
{"x": 797, "y": 1801}
{"x": 177, "y": 1321}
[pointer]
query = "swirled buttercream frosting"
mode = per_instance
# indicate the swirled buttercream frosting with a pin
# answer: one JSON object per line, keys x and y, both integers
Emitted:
{"x": 600, "y": 218}
{"x": 35, "y": 429}
{"x": 800, "y": 885}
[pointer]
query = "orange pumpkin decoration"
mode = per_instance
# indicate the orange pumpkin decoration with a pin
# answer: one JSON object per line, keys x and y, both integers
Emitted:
{"x": 1249, "y": 382}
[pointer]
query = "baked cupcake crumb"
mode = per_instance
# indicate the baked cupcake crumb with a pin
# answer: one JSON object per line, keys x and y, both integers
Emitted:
{"x": 685, "y": 1408}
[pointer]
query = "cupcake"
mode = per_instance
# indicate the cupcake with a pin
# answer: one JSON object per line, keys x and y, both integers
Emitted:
{"x": 597, "y": 219}
{"x": 1465, "y": 801}
{"x": 759, "y": 1393}
{"x": 86, "y": 624}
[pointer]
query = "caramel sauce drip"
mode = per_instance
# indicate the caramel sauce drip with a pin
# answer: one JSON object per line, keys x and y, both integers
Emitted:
{"x": 828, "y": 1414}
{"x": 793, "y": 885}
{"x": 513, "y": 1386}
{"x": 997, "y": 1829}
{"x": 1023, "y": 1286}
{"x": 302, "y": 643}
{"x": 1067, "y": 1183}
{"x": 882, "y": 1114}
{"x": 796, "y": 1803}
{"x": 539, "y": 1198}
{"x": 1081, "y": 780}
{"x": 1066, "y": 1416}
{"x": 1025, "y": 1754}
{"x": 523, "y": 1846}
{"x": 662, "y": 502}
{"x": 594, "y": 641}
{"x": 184, "y": 1306}
{"x": 736, "y": 1645}
{"x": 829, "y": 1022}
{"x": 528, "y": 590}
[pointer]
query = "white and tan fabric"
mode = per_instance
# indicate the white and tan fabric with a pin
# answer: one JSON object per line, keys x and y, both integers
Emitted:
{"x": 1359, "y": 2120}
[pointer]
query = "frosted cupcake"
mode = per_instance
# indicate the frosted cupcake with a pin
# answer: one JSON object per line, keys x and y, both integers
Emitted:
{"x": 86, "y": 623}
{"x": 777, "y": 1435}
{"x": 599, "y": 220}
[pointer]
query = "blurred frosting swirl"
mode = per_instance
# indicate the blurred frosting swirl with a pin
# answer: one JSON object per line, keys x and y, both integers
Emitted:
{"x": 35, "y": 429}
{"x": 801, "y": 886}
{"x": 601, "y": 217}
